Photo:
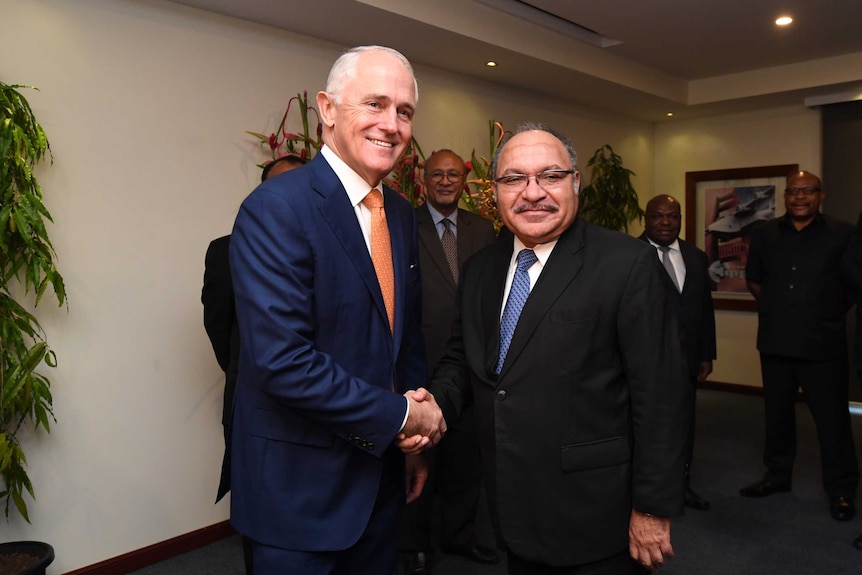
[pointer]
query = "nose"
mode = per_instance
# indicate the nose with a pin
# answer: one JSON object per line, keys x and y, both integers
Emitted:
{"x": 533, "y": 191}
{"x": 388, "y": 120}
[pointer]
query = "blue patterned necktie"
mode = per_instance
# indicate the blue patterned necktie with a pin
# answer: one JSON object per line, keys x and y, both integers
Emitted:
{"x": 518, "y": 294}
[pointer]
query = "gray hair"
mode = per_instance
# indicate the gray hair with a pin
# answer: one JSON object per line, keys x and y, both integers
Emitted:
{"x": 533, "y": 127}
{"x": 344, "y": 69}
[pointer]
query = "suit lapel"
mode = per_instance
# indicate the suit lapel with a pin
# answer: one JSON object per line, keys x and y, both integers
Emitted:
{"x": 431, "y": 242}
{"x": 337, "y": 211}
{"x": 560, "y": 270}
{"x": 492, "y": 300}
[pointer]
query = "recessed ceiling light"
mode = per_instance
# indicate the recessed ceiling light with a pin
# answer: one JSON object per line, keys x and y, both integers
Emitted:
{"x": 669, "y": 114}
{"x": 490, "y": 63}
{"x": 783, "y": 21}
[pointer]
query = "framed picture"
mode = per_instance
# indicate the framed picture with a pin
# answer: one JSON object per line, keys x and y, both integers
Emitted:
{"x": 721, "y": 206}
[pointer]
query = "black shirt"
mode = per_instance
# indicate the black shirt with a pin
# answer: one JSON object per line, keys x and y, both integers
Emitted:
{"x": 803, "y": 303}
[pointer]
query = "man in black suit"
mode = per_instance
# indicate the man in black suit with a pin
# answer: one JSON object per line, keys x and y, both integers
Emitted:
{"x": 851, "y": 267}
{"x": 794, "y": 272}
{"x": 221, "y": 326}
{"x": 568, "y": 347}
{"x": 448, "y": 236}
{"x": 689, "y": 282}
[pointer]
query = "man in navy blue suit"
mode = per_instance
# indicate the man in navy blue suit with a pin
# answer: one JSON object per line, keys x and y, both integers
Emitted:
{"x": 331, "y": 342}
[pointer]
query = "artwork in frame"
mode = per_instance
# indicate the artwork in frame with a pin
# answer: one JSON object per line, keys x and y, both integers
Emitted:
{"x": 721, "y": 206}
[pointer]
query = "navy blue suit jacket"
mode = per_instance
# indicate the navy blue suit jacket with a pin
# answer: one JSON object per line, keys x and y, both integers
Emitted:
{"x": 315, "y": 408}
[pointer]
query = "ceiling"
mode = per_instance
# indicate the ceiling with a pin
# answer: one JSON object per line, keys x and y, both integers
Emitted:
{"x": 692, "y": 58}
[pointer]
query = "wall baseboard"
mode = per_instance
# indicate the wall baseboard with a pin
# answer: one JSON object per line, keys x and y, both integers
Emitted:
{"x": 157, "y": 552}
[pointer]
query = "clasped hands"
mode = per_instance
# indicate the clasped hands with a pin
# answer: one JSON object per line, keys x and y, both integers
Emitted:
{"x": 425, "y": 425}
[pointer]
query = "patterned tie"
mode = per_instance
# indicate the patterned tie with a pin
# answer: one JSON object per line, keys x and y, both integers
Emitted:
{"x": 450, "y": 248}
{"x": 381, "y": 252}
{"x": 518, "y": 295}
{"x": 668, "y": 265}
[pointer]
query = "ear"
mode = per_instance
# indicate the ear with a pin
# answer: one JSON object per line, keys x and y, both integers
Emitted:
{"x": 326, "y": 108}
{"x": 577, "y": 178}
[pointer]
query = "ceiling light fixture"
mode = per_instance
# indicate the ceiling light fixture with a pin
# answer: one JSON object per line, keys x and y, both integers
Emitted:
{"x": 669, "y": 114}
{"x": 783, "y": 21}
{"x": 490, "y": 63}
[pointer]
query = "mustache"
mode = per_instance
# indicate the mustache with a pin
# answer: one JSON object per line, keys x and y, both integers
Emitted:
{"x": 536, "y": 206}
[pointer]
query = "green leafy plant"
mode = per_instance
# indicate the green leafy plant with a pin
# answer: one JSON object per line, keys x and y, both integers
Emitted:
{"x": 610, "y": 199}
{"x": 26, "y": 259}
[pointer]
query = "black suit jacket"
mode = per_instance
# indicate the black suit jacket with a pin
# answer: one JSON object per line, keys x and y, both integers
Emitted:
{"x": 696, "y": 311}
{"x": 221, "y": 327}
{"x": 438, "y": 287}
{"x": 583, "y": 422}
{"x": 851, "y": 267}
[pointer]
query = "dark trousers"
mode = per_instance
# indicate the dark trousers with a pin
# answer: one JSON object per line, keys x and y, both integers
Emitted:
{"x": 825, "y": 386}
{"x": 455, "y": 474}
{"x": 620, "y": 564}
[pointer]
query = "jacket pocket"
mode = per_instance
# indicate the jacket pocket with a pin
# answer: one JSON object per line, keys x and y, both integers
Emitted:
{"x": 595, "y": 454}
{"x": 281, "y": 427}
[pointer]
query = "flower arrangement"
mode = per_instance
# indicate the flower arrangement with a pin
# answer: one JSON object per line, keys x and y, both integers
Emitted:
{"x": 283, "y": 143}
{"x": 479, "y": 193}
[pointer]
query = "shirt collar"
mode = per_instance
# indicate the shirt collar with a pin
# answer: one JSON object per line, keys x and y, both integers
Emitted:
{"x": 543, "y": 251}
{"x": 437, "y": 217}
{"x": 673, "y": 246}
{"x": 355, "y": 186}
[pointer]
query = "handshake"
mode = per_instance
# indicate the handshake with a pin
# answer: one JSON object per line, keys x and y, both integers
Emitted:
{"x": 425, "y": 425}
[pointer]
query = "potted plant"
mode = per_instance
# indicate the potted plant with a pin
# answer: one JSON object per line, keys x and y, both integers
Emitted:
{"x": 26, "y": 261}
{"x": 610, "y": 199}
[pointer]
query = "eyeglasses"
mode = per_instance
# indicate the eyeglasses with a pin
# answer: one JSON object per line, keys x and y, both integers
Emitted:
{"x": 547, "y": 180}
{"x": 801, "y": 191}
{"x": 438, "y": 176}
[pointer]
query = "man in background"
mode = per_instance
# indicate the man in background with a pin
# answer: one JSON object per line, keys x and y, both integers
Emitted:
{"x": 568, "y": 347}
{"x": 851, "y": 266}
{"x": 687, "y": 270}
{"x": 793, "y": 271}
{"x": 448, "y": 236}
{"x": 326, "y": 274}
{"x": 221, "y": 327}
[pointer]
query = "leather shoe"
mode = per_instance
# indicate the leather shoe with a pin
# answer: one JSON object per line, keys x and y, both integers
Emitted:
{"x": 476, "y": 553}
{"x": 842, "y": 508}
{"x": 418, "y": 564}
{"x": 763, "y": 488}
{"x": 857, "y": 543}
{"x": 695, "y": 501}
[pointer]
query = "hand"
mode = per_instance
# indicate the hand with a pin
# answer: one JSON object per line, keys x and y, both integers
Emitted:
{"x": 411, "y": 445}
{"x": 417, "y": 474}
{"x": 705, "y": 370}
{"x": 425, "y": 417}
{"x": 649, "y": 539}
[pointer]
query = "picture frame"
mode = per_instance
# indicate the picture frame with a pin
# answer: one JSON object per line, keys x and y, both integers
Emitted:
{"x": 721, "y": 206}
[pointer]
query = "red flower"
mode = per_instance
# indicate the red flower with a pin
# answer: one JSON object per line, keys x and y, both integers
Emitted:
{"x": 273, "y": 141}
{"x": 468, "y": 166}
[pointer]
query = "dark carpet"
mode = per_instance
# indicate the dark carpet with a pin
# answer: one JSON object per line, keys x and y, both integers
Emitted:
{"x": 787, "y": 533}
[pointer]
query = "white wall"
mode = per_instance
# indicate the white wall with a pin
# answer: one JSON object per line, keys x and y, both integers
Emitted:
{"x": 789, "y": 135}
{"x": 145, "y": 104}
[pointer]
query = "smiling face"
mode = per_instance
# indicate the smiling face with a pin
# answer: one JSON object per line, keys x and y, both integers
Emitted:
{"x": 370, "y": 122}
{"x": 444, "y": 179}
{"x": 535, "y": 214}
{"x": 803, "y": 197}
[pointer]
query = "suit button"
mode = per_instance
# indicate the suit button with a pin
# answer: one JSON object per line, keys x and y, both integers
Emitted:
{"x": 501, "y": 394}
{"x": 369, "y": 446}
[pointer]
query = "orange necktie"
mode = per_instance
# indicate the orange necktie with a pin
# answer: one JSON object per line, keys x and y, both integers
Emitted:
{"x": 381, "y": 252}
